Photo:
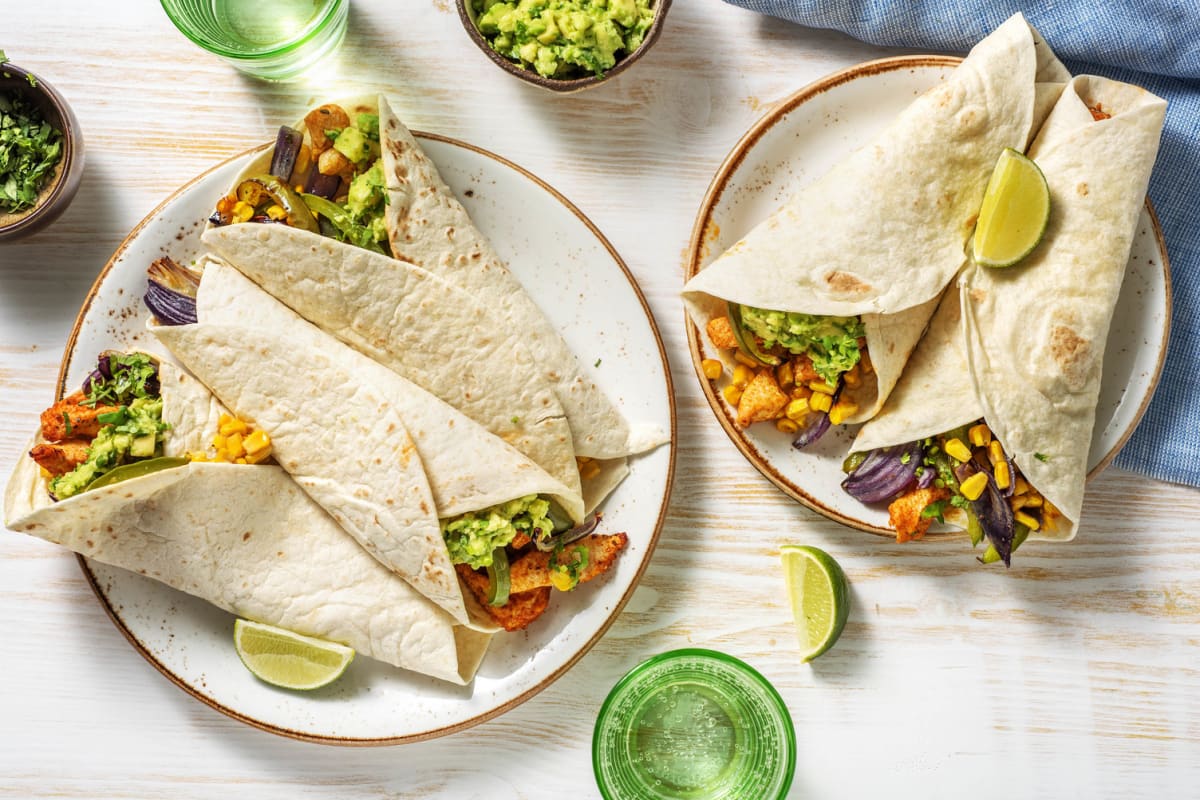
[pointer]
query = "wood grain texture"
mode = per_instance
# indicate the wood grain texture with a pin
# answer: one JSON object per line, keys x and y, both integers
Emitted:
{"x": 1074, "y": 674}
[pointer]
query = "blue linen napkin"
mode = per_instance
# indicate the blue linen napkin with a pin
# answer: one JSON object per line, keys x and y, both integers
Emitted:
{"x": 1152, "y": 43}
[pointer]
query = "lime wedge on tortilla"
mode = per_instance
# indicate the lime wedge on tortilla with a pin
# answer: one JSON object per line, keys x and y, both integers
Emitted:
{"x": 1016, "y": 207}
{"x": 820, "y": 597}
{"x": 289, "y": 660}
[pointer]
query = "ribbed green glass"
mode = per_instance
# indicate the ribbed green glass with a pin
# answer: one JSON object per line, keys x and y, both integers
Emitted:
{"x": 271, "y": 39}
{"x": 693, "y": 725}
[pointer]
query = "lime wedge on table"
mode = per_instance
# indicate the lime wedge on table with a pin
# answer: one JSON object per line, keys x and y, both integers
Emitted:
{"x": 286, "y": 659}
{"x": 820, "y": 597}
{"x": 1016, "y": 207}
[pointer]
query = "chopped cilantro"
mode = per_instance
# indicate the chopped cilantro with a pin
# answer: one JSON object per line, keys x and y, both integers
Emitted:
{"x": 934, "y": 511}
{"x": 905, "y": 457}
{"x": 29, "y": 150}
{"x": 597, "y": 362}
{"x": 958, "y": 501}
{"x": 515, "y": 420}
{"x": 1041, "y": 456}
{"x": 133, "y": 375}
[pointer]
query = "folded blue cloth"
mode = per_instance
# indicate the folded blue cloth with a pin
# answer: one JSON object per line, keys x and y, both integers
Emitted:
{"x": 1153, "y": 43}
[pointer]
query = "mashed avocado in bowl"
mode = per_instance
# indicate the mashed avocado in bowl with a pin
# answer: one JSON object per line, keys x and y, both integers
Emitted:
{"x": 564, "y": 39}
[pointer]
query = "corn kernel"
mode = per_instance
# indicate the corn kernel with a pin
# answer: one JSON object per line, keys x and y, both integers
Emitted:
{"x": 820, "y": 402}
{"x": 852, "y": 377}
{"x": 303, "y": 160}
{"x": 796, "y": 409}
{"x": 732, "y": 394}
{"x": 259, "y": 457}
{"x": 742, "y": 375}
{"x": 233, "y": 446}
{"x": 1027, "y": 521}
{"x": 1022, "y": 486}
{"x": 1003, "y": 475}
{"x": 242, "y": 211}
{"x": 785, "y": 376}
{"x": 256, "y": 442}
{"x": 821, "y": 386}
{"x": 712, "y": 368}
{"x": 1033, "y": 500}
{"x": 957, "y": 450}
{"x": 589, "y": 470}
{"x": 742, "y": 358}
{"x": 842, "y": 410}
{"x": 786, "y": 425}
{"x": 276, "y": 212}
{"x": 240, "y": 461}
{"x": 973, "y": 486}
{"x": 995, "y": 452}
{"x": 233, "y": 425}
{"x": 980, "y": 435}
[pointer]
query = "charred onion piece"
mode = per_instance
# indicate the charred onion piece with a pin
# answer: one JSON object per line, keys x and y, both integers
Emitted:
{"x": 549, "y": 543}
{"x": 993, "y": 511}
{"x": 287, "y": 147}
{"x": 812, "y": 432}
{"x": 171, "y": 292}
{"x": 322, "y": 185}
{"x": 886, "y": 476}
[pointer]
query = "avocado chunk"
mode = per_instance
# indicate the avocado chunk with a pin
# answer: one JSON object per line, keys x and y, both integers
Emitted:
{"x": 353, "y": 144}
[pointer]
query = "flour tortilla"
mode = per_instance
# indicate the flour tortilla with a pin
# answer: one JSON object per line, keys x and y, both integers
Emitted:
{"x": 884, "y": 231}
{"x": 351, "y": 432}
{"x": 1023, "y": 346}
{"x": 249, "y": 541}
{"x": 417, "y": 325}
{"x": 429, "y": 227}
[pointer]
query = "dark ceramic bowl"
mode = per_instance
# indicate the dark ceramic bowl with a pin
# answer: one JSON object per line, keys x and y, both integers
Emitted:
{"x": 467, "y": 15}
{"x": 60, "y": 191}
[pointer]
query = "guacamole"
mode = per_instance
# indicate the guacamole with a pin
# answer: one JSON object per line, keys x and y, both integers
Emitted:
{"x": 831, "y": 342}
{"x": 473, "y": 536}
{"x": 131, "y": 432}
{"x": 560, "y": 38}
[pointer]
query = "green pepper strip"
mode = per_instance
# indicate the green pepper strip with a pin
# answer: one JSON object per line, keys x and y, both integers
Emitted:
{"x": 135, "y": 469}
{"x": 498, "y": 582}
{"x": 745, "y": 339}
{"x": 340, "y": 218}
{"x": 298, "y": 213}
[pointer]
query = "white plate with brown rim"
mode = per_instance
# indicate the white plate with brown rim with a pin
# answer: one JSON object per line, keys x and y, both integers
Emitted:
{"x": 587, "y": 292}
{"x": 797, "y": 141}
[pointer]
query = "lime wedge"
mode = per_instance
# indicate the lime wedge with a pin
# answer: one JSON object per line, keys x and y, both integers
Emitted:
{"x": 819, "y": 594}
{"x": 1016, "y": 207}
{"x": 286, "y": 659}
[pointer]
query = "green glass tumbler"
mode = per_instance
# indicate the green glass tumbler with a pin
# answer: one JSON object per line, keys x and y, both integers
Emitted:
{"x": 693, "y": 725}
{"x": 274, "y": 40}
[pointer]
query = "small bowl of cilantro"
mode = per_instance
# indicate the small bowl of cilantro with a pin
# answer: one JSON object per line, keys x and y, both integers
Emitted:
{"x": 41, "y": 152}
{"x": 563, "y": 45}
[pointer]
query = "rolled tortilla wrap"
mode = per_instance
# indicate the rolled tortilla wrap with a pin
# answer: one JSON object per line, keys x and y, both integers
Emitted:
{"x": 883, "y": 232}
{"x": 248, "y": 540}
{"x": 1023, "y": 347}
{"x": 340, "y": 422}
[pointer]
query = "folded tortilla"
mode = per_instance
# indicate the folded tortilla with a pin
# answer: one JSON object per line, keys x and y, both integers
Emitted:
{"x": 361, "y": 440}
{"x": 416, "y": 324}
{"x": 884, "y": 231}
{"x": 1023, "y": 346}
{"x": 248, "y": 540}
{"x": 429, "y": 227}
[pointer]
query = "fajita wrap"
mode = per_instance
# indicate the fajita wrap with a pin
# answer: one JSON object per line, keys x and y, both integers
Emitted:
{"x": 341, "y": 424}
{"x": 861, "y": 254}
{"x": 435, "y": 335}
{"x": 1027, "y": 356}
{"x": 248, "y": 540}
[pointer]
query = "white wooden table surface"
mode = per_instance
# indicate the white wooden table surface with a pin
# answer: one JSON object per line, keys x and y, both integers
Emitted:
{"x": 1074, "y": 674}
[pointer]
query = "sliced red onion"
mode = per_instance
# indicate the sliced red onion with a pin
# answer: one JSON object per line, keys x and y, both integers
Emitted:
{"x": 169, "y": 307}
{"x": 993, "y": 511}
{"x": 812, "y": 432}
{"x": 926, "y": 477}
{"x": 322, "y": 185}
{"x": 550, "y": 543}
{"x": 287, "y": 147}
{"x": 889, "y": 477}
